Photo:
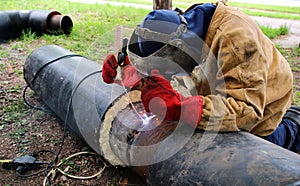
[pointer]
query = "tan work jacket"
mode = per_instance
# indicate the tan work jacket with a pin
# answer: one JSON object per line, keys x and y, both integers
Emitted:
{"x": 245, "y": 82}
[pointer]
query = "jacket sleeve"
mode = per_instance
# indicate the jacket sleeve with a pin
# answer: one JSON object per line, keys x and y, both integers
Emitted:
{"x": 239, "y": 97}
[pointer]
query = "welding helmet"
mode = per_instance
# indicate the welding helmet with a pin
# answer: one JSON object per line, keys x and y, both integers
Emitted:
{"x": 168, "y": 41}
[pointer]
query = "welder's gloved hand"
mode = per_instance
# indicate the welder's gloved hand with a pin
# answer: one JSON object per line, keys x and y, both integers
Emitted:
{"x": 109, "y": 69}
{"x": 130, "y": 76}
{"x": 160, "y": 98}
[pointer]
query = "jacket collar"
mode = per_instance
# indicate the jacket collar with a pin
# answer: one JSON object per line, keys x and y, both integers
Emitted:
{"x": 215, "y": 22}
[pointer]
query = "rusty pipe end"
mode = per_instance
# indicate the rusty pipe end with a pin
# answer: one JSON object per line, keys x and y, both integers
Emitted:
{"x": 60, "y": 23}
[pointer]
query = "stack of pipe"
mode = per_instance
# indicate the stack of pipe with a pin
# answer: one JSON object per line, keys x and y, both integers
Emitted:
{"x": 12, "y": 23}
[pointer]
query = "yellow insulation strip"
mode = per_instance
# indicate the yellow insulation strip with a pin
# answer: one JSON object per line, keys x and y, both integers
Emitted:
{"x": 122, "y": 103}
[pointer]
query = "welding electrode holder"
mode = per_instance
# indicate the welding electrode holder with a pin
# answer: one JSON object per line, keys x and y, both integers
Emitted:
{"x": 23, "y": 164}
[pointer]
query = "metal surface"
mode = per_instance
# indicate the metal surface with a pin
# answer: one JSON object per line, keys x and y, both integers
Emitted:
{"x": 12, "y": 23}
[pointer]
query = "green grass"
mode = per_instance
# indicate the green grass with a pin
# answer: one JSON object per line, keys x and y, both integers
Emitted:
{"x": 293, "y": 56}
{"x": 295, "y": 67}
{"x": 281, "y": 15}
{"x": 13, "y": 112}
{"x": 274, "y": 32}
{"x": 297, "y": 98}
{"x": 283, "y": 9}
{"x": 93, "y": 24}
{"x": 297, "y": 51}
{"x": 92, "y": 36}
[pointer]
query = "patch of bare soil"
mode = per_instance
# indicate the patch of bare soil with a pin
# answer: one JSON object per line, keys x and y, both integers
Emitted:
{"x": 26, "y": 131}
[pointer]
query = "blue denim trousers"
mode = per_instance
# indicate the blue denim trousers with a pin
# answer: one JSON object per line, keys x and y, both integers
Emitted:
{"x": 286, "y": 135}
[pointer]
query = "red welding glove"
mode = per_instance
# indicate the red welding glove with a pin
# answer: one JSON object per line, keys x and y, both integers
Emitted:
{"x": 130, "y": 76}
{"x": 109, "y": 69}
{"x": 160, "y": 98}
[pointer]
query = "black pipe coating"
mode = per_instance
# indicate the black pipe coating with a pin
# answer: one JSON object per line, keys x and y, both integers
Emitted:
{"x": 167, "y": 154}
{"x": 12, "y": 23}
{"x": 57, "y": 75}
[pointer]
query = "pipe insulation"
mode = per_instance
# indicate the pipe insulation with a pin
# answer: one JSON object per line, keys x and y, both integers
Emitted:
{"x": 12, "y": 23}
{"x": 114, "y": 123}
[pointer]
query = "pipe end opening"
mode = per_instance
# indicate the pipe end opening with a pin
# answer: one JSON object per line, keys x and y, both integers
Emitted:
{"x": 66, "y": 24}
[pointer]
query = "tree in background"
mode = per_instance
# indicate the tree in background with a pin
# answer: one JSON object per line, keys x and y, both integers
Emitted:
{"x": 162, "y": 4}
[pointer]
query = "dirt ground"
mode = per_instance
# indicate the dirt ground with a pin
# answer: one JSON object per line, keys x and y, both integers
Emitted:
{"x": 25, "y": 131}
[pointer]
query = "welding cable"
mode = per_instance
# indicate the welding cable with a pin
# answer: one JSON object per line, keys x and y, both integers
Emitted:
{"x": 69, "y": 107}
{"x": 6, "y": 94}
{"x": 53, "y": 171}
{"x": 51, "y": 164}
{"x": 30, "y": 175}
{"x": 34, "y": 77}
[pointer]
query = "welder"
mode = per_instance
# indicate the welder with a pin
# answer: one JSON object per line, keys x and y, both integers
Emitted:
{"x": 237, "y": 78}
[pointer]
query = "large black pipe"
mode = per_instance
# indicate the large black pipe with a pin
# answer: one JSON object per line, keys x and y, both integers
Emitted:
{"x": 169, "y": 154}
{"x": 163, "y": 153}
{"x": 56, "y": 75}
{"x": 12, "y": 23}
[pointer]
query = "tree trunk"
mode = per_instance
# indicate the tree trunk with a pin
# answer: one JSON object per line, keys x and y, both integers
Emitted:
{"x": 162, "y": 4}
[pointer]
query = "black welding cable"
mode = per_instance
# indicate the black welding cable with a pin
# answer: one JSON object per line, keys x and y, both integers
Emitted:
{"x": 34, "y": 77}
{"x": 6, "y": 94}
{"x": 54, "y": 161}
{"x": 70, "y": 103}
